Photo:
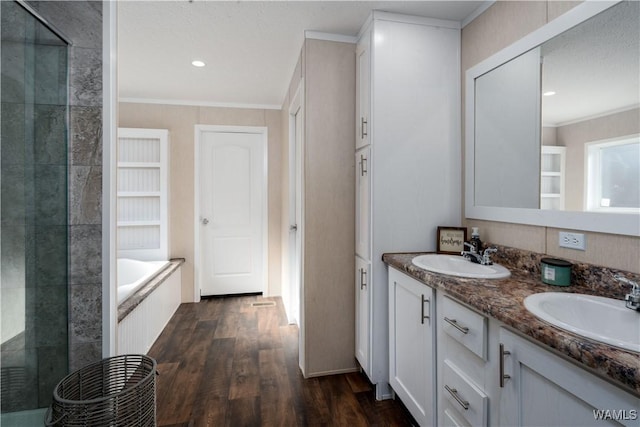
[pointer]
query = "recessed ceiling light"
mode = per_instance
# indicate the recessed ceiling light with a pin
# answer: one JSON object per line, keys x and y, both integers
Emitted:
{"x": 197, "y": 63}
{"x": 548, "y": 93}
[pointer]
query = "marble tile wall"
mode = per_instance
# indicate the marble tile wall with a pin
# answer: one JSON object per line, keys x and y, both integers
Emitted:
{"x": 81, "y": 22}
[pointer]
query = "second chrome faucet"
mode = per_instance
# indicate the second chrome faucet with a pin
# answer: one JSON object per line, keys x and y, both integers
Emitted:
{"x": 479, "y": 257}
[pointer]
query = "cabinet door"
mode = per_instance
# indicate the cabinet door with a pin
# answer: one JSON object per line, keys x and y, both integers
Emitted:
{"x": 363, "y": 203}
{"x": 363, "y": 91}
{"x": 544, "y": 390}
{"x": 412, "y": 346}
{"x": 362, "y": 313}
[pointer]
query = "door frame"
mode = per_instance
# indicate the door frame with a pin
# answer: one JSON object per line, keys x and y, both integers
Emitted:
{"x": 296, "y": 175}
{"x": 199, "y": 130}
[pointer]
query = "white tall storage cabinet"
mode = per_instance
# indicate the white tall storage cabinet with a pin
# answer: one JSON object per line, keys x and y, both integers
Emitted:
{"x": 408, "y": 165}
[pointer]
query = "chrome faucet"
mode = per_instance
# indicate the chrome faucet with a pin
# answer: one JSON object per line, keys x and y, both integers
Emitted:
{"x": 486, "y": 256}
{"x": 632, "y": 300}
{"x": 482, "y": 257}
{"x": 471, "y": 254}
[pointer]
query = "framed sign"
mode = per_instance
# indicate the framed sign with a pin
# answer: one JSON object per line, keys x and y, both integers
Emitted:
{"x": 451, "y": 240}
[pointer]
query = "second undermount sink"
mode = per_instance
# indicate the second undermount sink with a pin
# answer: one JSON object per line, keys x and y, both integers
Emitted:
{"x": 602, "y": 319}
{"x": 454, "y": 265}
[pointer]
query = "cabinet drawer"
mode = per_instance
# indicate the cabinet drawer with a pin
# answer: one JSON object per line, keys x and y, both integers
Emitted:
{"x": 465, "y": 396}
{"x": 465, "y": 326}
{"x": 451, "y": 419}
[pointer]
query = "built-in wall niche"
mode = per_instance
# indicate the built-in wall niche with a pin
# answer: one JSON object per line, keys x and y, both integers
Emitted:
{"x": 552, "y": 177}
{"x": 143, "y": 194}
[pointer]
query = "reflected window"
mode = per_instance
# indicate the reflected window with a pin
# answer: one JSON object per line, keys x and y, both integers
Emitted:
{"x": 613, "y": 175}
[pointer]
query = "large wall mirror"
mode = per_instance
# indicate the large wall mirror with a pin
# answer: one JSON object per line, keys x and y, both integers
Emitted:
{"x": 553, "y": 125}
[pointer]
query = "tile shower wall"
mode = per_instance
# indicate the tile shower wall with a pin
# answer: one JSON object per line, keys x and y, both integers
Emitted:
{"x": 81, "y": 21}
{"x": 34, "y": 211}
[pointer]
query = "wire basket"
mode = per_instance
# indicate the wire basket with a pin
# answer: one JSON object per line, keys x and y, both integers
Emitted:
{"x": 118, "y": 391}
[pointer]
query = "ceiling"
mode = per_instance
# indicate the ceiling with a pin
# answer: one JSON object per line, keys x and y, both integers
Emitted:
{"x": 250, "y": 47}
{"x": 593, "y": 68}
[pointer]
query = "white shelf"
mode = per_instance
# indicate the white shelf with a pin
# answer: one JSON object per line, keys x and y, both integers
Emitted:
{"x": 552, "y": 177}
{"x": 138, "y": 223}
{"x": 140, "y": 194}
{"x": 143, "y": 161}
{"x": 137, "y": 165}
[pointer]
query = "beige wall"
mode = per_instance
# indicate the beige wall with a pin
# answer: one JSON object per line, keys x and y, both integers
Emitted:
{"x": 329, "y": 172}
{"x": 574, "y": 137}
{"x": 328, "y": 69}
{"x": 502, "y": 24}
{"x": 180, "y": 121}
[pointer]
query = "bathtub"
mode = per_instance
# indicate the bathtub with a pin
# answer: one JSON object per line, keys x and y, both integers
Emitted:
{"x": 133, "y": 274}
{"x": 149, "y": 293}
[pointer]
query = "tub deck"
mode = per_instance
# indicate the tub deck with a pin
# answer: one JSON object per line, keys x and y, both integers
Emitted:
{"x": 129, "y": 304}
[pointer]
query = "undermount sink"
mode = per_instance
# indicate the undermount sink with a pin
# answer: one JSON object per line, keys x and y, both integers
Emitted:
{"x": 454, "y": 265}
{"x": 602, "y": 319}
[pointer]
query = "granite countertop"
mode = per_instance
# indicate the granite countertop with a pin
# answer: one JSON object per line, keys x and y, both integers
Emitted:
{"x": 502, "y": 299}
{"x": 129, "y": 304}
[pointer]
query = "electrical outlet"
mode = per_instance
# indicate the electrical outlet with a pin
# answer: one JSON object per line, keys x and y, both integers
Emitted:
{"x": 572, "y": 240}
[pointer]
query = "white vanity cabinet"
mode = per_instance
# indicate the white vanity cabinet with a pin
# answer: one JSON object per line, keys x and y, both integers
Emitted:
{"x": 543, "y": 389}
{"x": 452, "y": 365}
{"x": 408, "y": 140}
{"x": 465, "y": 379}
{"x": 412, "y": 355}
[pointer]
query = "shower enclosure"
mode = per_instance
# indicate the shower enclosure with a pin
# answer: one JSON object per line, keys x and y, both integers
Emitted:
{"x": 34, "y": 209}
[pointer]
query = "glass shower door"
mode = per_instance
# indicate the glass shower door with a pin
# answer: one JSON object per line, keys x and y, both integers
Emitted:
{"x": 34, "y": 209}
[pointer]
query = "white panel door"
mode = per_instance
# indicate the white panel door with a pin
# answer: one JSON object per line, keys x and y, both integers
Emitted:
{"x": 232, "y": 176}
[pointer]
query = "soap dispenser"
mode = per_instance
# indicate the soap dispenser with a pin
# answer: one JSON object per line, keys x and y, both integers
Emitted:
{"x": 475, "y": 240}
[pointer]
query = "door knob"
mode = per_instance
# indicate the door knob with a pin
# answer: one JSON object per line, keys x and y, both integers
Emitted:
{"x": 293, "y": 227}
{"x": 205, "y": 221}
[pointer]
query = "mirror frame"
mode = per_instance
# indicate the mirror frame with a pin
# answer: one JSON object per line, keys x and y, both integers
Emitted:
{"x": 625, "y": 224}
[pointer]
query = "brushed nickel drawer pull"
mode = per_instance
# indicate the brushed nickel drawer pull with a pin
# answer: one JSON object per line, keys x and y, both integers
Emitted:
{"x": 503, "y": 376}
{"x": 422, "y": 310}
{"x": 363, "y": 278}
{"x": 363, "y": 165}
{"x": 454, "y": 323}
{"x": 363, "y": 127}
{"x": 453, "y": 392}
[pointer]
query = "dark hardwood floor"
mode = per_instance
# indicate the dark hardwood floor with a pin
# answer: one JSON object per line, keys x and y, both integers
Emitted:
{"x": 228, "y": 362}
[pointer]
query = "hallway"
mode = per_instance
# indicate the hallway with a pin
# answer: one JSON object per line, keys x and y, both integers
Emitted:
{"x": 234, "y": 362}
